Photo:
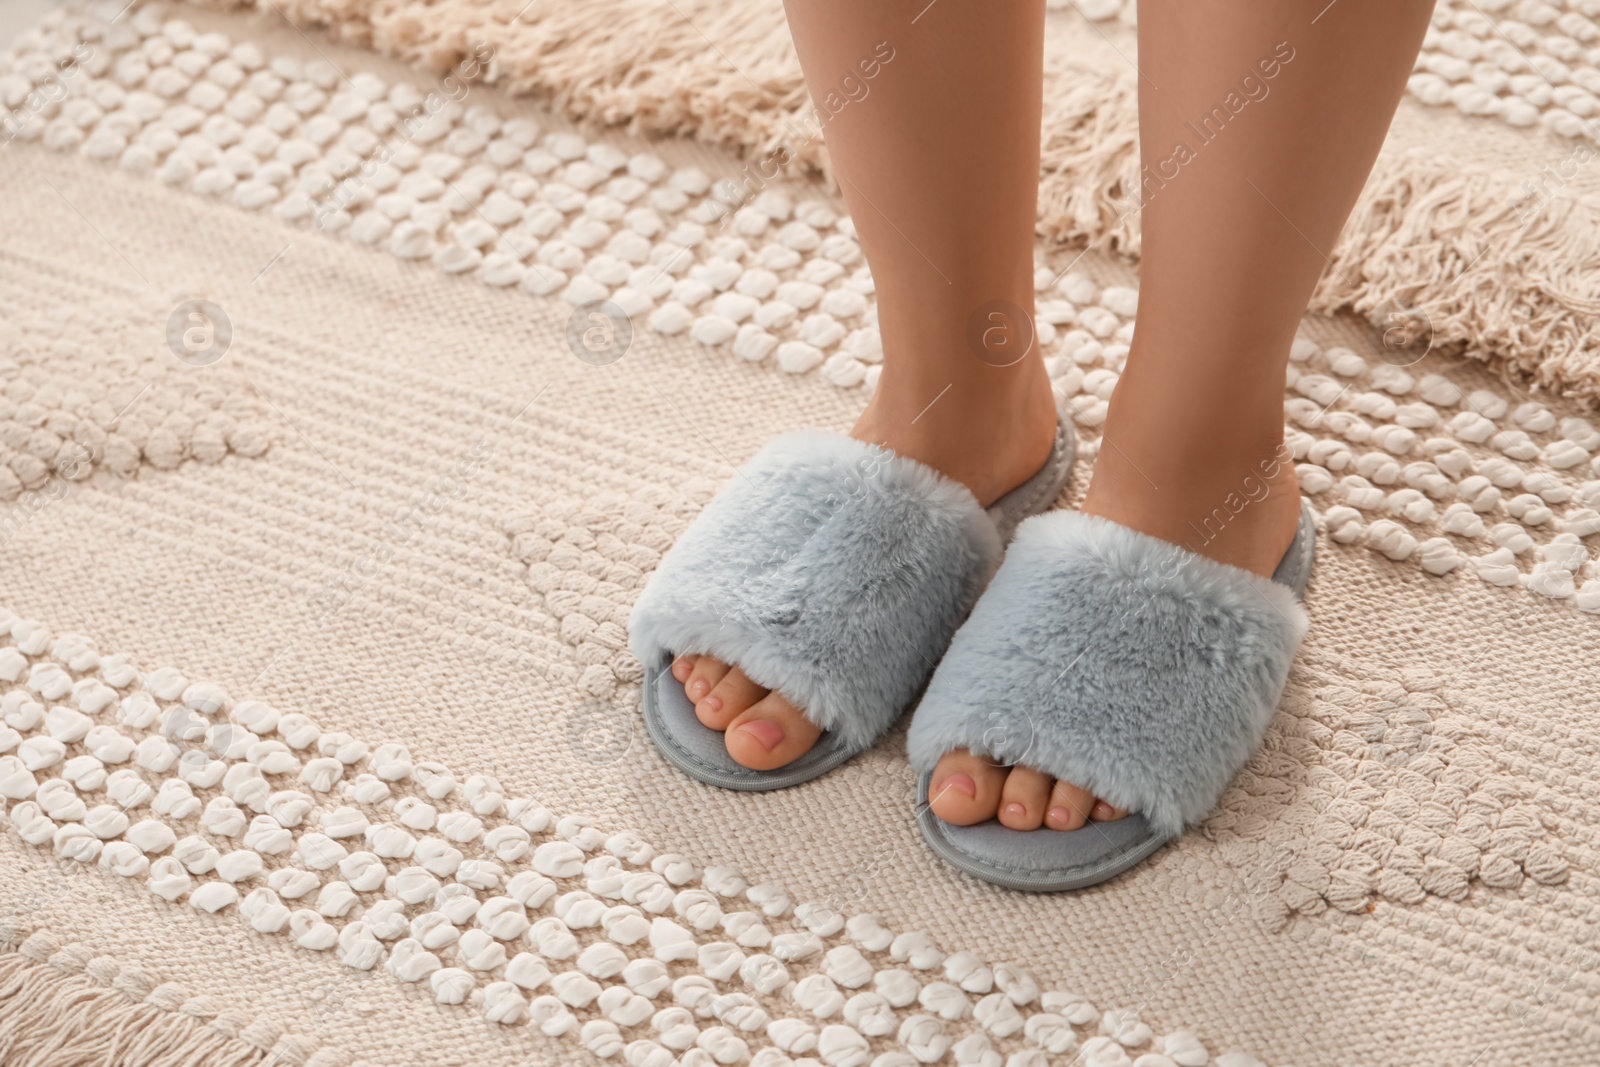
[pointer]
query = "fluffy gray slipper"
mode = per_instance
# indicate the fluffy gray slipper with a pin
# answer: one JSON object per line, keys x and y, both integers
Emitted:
{"x": 1131, "y": 667}
{"x": 832, "y": 571}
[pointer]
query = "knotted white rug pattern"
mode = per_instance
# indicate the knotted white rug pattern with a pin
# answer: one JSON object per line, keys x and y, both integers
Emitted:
{"x": 413, "y": 815}
{"x": 1486, "y": 229}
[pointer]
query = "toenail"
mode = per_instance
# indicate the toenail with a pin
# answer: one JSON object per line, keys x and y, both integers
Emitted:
{"x": 961, "y": 783}
{"x": 1103, "y": 811}
{"x": 680, "y": 669}
{"x": 1060, "y": 815}
{"x": 1016, "y": 810}
{"x": 713, "y": 704}
{"x": 698, "y": 688}
{"x": 767, "y": 733}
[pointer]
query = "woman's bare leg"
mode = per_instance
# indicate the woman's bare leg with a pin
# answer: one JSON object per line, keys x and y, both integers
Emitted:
{"x": 1236, "y": 232}
{"x": 937, "y": 155}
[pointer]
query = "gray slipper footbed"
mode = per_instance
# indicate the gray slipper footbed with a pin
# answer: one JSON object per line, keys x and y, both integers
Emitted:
{"x": 832, "y": 572}
{"x": 1048, "y": 860}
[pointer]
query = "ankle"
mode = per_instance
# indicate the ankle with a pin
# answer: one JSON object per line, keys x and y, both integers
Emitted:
{"x": 990, "y": 431}
{"x": 1239, "y": 506}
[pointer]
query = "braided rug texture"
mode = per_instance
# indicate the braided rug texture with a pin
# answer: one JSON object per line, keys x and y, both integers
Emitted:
{"x": 315, "y": 696}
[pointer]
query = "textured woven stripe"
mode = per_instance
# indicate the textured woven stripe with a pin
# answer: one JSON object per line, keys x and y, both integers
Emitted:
{"x": 1403, "y": 873}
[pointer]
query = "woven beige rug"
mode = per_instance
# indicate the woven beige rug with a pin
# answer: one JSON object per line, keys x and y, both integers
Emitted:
{"x": 321, "y": 742}
{"x": 1487, "y": 229}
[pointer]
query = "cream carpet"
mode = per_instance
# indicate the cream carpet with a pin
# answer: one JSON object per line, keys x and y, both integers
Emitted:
{"x": 1487, "y": 229}
{"x": 320, "y": 738}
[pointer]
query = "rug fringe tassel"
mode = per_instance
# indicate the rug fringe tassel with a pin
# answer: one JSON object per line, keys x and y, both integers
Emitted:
{"x": 1462, "y": 260}
{"x": 63, "y": 1007}
{"x": 1459, "y": 254}
{"x": 1425, "y": 236}
{"x": 1089, "y": 161}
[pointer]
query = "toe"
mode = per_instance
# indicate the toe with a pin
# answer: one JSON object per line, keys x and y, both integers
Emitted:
{"x": 965, "y": 789}
{"x": 1069, "y": 807}
{"x": 1103, "y": 812}
{"x": 682, "y": 667}
{"x": 1023, "y": 799}
{"x": 704, "y": 677}
{"x": 728, "y": 699}
{"x": 772, "y": 733}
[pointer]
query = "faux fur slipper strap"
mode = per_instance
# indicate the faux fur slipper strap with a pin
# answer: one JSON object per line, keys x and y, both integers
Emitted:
{"x": 829, "y": 570}
{"x": 1129, "y": 666}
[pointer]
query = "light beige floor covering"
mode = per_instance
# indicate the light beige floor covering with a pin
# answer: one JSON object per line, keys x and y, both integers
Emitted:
{"x": 1438, "y": 235}
{"x": 375, "y": 377}
{"x": 208, "y": 568}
